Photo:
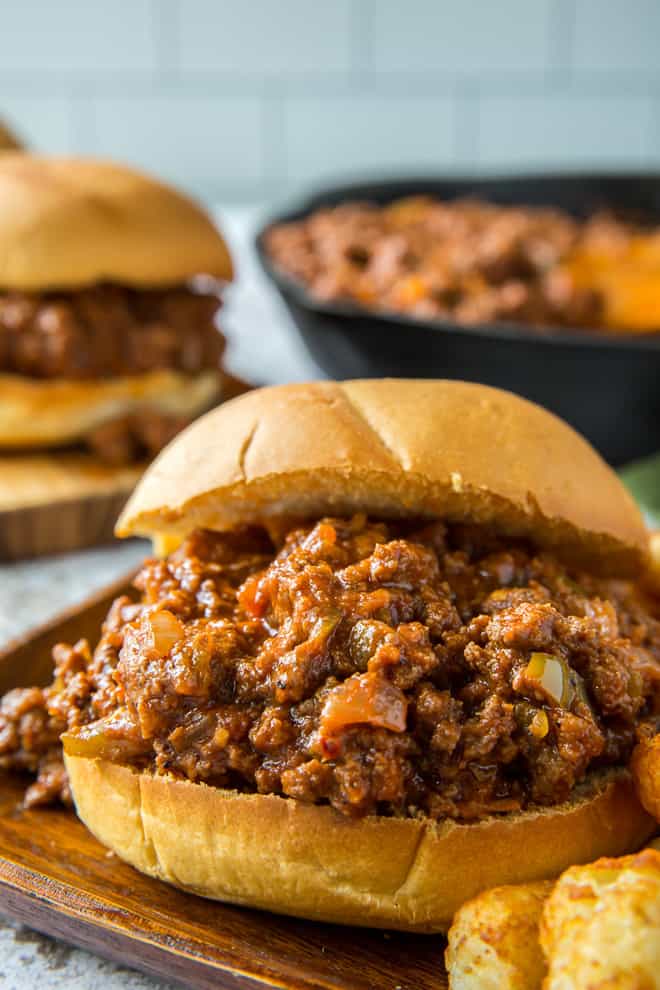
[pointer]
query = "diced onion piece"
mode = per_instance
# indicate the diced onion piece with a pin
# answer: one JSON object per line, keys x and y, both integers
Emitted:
{"x": 552, "y": 675}
{"x": 114, "y": 737}
{"x": 166, "y": 630}
{"x": 90, "y": 744}
{"x": 151, "y": 639}
{"x": 364, "y": 699}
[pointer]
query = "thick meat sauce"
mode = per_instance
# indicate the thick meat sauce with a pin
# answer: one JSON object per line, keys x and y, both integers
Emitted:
{"x": 377, "y": 667}
{"x": 474, "y": 262}
{"x": 107, "y": 331}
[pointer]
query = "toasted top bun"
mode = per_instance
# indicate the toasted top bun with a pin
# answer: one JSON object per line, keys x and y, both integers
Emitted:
{"x": 71, "y": 222}
{"x": 392, "y": 448}
{"x": 279, "y": 854}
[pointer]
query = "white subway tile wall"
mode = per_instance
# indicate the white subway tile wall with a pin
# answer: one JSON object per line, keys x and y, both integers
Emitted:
{"x": 367, "y": 134}
{"x": 464, "y": 39}
{"x": 89, "y": 37}
{"x": 618, "y": 36}
{"x": 45, "y": 122}
{"x": 561, "y": 129}
{"x": 202, "y": 142}
{"x": 264, "y": 38}
{"x": 269, "y": 97}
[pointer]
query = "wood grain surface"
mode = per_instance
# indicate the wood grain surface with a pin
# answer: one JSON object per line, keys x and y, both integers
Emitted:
{"x": 73, "y": 523}
{"x": 59, "y": 526}
{"x": 55, "y": 877}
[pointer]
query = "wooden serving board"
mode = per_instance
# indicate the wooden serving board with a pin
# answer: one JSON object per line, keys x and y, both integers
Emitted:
{"x": 60, "y": 501}
{"x": 55, "y": 877}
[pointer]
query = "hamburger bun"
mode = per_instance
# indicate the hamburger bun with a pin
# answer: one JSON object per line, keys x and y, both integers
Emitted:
{"x": 392, "y": 448}
{"x": 36, "y": 412}
{"x": 66, "y": 223}
{"x": 277, "y": 854}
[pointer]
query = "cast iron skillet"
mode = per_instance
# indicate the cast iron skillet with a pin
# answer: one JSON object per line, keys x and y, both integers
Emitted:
{"x": 607, "y": 386}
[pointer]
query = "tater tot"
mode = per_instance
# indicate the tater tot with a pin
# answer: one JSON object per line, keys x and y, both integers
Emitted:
{"x": 493, "y": 943}
{"x": 600, "y": 928}
{"x": 645, "y": 767}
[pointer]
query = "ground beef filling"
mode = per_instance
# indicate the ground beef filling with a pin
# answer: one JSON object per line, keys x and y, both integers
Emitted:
{"x": 376, "y": 667}
{"x": 107, "y": 331}
{"x": 467, "y": 261}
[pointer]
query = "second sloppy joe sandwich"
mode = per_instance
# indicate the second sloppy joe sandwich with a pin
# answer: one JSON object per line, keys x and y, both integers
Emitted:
{"x": 397, "y": 653}
{"x": 108, "y": 342}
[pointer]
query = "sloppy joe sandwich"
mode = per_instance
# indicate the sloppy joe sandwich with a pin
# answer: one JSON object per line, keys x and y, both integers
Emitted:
{"x": 394, "y": 652}
{"x": 109, "y": 289}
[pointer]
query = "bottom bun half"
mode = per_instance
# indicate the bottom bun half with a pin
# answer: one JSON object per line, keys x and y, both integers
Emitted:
{"x": 45, "y": 479}
{"x": 58, "y": 412}
{"x": 274, "y": 853}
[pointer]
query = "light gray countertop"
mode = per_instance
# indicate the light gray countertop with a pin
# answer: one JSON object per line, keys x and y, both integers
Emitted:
{"x": 262, "y": 348}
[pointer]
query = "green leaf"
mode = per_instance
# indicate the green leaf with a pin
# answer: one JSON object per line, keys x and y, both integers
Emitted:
{"x": 642, "y": 479}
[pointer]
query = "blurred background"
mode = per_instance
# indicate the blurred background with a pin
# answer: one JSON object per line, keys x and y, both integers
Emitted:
{"x": 249, "y": 101}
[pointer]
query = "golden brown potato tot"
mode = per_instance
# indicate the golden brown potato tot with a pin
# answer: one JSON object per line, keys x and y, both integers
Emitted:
{"x": 493, "y": 943}
{"x": 645, "y": 767}
{"x": 600, "y": 928}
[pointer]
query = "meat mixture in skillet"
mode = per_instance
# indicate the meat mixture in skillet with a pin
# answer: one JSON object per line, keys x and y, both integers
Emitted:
{"x": 474, "y": 262}
{"x": 109, "y": 331}
{"x": 377, "y": 667}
